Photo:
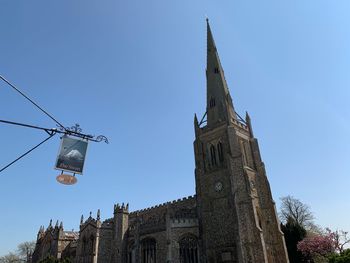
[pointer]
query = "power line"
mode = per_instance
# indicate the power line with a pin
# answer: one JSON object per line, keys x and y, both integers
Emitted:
{"x": 73, "y": 131}
{"x": 35, "y": 104}
{"x": 32, "y": 149}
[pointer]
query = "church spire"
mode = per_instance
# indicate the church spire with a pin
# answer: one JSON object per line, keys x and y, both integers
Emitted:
{"x": 219, "y": 102}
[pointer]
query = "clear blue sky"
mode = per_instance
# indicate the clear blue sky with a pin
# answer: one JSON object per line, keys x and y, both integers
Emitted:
{"x": 135, "y": 72}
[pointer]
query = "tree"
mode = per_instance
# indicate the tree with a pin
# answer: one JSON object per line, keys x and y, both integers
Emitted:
{"x": 328, "y": 247}
{"x": 293, "y": 233}
{"x": 298, "y": 211}
{"x": 340, "y": 238}
{"x": 343, "y": 257}
{"x": 10, "y": 258}
{"x": 317, "y": 246}
{"x": 24, "y": 251}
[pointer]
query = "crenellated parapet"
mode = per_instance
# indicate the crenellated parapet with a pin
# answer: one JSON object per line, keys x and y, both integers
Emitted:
{"x": 121, "y": 208}
{"x": 178, "y": 202}
{"x": 108, "y": 223}
{"x": 156, "y": 218}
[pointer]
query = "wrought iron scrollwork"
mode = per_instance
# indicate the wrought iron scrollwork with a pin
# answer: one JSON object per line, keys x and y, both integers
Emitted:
{"x": 76, "y": 131}
{"x": 76, "y": 128}
{"x": 101, "y": 138}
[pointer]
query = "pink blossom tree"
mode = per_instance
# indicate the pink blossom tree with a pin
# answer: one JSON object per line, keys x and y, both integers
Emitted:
{"x": 318, "y": 245}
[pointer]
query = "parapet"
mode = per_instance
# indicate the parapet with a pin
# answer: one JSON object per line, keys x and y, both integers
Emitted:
{"x": 121, "y": 208}
{"x": 154, "y": 209}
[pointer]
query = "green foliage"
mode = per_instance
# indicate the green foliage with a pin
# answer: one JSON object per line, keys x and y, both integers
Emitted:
{"x": 293, "y": 233}
{"x": 343, "y": 257}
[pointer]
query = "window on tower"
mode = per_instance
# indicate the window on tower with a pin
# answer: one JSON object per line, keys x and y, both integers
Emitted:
{"x": 220, "y": 152}
{"x": 212, "y": 102}
{"x": 213, "y": 155}
{"x": 216, "y": 70}
{"x": 244, "y": 153}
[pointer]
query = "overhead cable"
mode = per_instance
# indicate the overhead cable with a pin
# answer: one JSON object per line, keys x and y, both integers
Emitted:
{"x": 35, "y": 104}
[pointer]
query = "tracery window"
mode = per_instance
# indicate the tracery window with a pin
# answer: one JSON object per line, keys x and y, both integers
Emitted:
{"x": 148, "y": 250}
{"x": 213, "y": 155}
{"x": 188, "y": 247}
{"x": 220, "y": 152}
{"x": 244, "y": 153}
{"x": 131, "y": 253}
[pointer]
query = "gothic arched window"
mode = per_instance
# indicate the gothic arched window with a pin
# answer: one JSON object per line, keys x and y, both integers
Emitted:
{"x": 148, "y": 250}
{"x": 212, "y": 155}
{"x": 131, "y": 253}
{"x": 84, "y": 245}
{"x": 188, "y": 249}
{"x": 92, "y": 245}
{"x": 220, "y": 152}
{"x": 244, "y": 153}
{"x": 212, "y": 102}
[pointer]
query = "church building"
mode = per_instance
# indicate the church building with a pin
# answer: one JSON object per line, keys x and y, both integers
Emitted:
{"x": 231, "y": 217}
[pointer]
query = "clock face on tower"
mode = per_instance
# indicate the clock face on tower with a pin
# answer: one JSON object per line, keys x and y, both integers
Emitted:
{"x": 218, "y": 186}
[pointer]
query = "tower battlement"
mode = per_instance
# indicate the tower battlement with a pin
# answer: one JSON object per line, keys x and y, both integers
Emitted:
{"x": 121, "y": 208}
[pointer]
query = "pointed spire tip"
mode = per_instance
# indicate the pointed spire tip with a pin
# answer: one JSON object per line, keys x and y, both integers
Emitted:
{"x": 195, "y": 120}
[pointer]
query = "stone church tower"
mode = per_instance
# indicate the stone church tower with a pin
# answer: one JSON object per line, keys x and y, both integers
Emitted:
{"x": 231, "y": 218}
{"x": 236, "y": 212}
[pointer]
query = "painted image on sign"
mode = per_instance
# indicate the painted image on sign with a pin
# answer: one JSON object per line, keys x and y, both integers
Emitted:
{"x": 71, "y": 156}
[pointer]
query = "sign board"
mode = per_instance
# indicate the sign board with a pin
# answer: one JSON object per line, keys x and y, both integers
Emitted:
{"x": 71, "y": 156}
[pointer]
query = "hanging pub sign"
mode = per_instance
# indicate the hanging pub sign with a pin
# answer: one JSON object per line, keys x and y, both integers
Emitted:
{"x": 71, "y": 156}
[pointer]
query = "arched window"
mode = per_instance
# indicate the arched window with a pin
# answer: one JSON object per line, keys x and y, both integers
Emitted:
{"x": 212, "y": 155}
{"x": 244, "y": 153}
{"x": 212, "y": 102}
{"x": 220, "y": 152}
{"x": 148, "y": 250}
{"x": 188, "y": 247}
{"x": 131, "y": 252}
{"x": 92, "y": 245}
{"x": 84, "y": 245}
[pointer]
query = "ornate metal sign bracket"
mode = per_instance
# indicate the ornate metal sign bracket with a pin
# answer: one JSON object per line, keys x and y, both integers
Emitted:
{"x": 74, "y": 131}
